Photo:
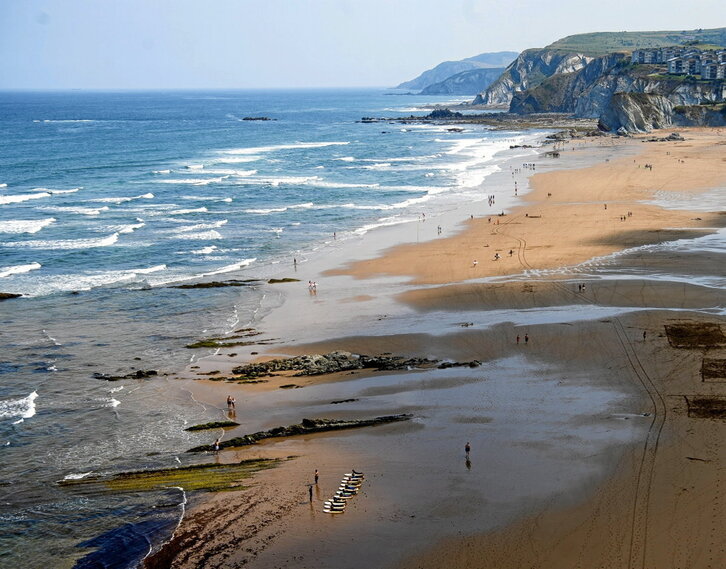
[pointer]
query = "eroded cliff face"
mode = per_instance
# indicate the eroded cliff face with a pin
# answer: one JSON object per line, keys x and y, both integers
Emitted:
{"x": 636, "y": 112}
{"x": 590, "y": 93}
{"x": 531, "y": 68}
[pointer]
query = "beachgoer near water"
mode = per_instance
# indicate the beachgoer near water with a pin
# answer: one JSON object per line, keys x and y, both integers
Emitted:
{"x": 467, "y": 448}
{"x": 317, "y": 475}
{"x": 526, "y": 338}
{"x": 517, "y": 338}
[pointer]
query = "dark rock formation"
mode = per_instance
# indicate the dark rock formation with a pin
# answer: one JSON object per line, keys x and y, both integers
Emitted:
{"x": 213, "y": 425}
{"x": 139, "y": 374}
{"x": 329, "y": 363}
{"x": 8, "y": 295}
{"x": 307, "y": 426}
{"x": 443, "y": 114}
{"x": 258, "y": 119}
{"x": 218, "y": 284}
{"x": 283, "y": 280}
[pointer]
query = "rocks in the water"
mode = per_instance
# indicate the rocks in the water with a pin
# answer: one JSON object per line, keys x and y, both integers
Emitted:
{"x": 8, "y": 295}
{"x": 339, "y": 401}
{"x": 443, "y": 114}
{"x": 258, "y": 119}
{"x": 447, "y": 365}
{"x": 219, "y": 284}
{"x": 307, "y": 426}
{"x": 283, "y": 280}
{"x": 212, "y": 425}
{"x": 333, "y": 362}
{"x": 139, "y": 374}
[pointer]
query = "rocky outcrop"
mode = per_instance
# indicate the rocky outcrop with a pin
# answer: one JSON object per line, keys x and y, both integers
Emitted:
{"x": 307, "y": 426}
{"x": 465, "y": 83}
{"x": 8, "y": 295}
{"x": 636, "y": 112}
{"x": 333, "y": 362}
{"x": 531, "y": 67}
{"x": 699, "y": 115}
{"x": 139, "y": 374}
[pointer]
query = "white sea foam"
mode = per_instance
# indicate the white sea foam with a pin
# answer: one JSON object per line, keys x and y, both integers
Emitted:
{"x": 78, "y": 476}
{"x": 383, "y": 222}
{"x": 193, "y": 181}
{"x": 346, "y": 159}
{"x": 263, "y": 211}
{"x": 204, "y": 235}
{"x": 200, "y": 226}
{"x": 231, "y": 172}
{"x": 67, "y": 243}
{"x": 296, "y": 146}
{"x": 230, "y": 268}
{"x": 185, "y": 211}
{"x": 3, "y": 185}
{"x": 19, "y": 198}
{"x": 120, "y": 200}
{"x": 25, "y": 226}
{"x": 208, "y": 198}
{"x": 194, "y": 166}
{"x": 204, "y": 250}
{"x": 126, "y": 228}
{"x": 23, "y": 408}
{"x": 76, "y": 209}
{"x": 161, "y": 172}
{"x": 116, "y": 389}
{"x": 19, "y": 269}
{"x": 235, "y": 159}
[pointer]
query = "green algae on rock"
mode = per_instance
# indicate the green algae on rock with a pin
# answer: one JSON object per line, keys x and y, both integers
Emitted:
{"x": 197, "y": 477}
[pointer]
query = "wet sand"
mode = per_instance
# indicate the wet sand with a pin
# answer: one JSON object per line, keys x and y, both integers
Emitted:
{"x": 583, "y": 452}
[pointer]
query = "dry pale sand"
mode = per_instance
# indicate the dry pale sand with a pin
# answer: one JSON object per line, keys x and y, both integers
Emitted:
{"x": 580, "y": 219}
{"x": 663, "y": 505}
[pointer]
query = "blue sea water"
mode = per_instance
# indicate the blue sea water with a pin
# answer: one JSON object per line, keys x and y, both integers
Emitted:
{"x": 109, "y": 199}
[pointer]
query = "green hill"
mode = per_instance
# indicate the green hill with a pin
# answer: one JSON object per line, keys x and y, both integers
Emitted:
{"x": 601, "y": 43}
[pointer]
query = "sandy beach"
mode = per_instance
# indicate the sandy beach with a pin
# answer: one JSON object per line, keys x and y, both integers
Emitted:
{"x": 595, "y": 411}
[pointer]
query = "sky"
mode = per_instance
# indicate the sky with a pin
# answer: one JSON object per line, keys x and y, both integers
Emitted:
{"x": 246, "y": 44}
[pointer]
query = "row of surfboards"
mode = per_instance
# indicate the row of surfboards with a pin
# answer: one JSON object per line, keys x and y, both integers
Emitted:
{"x": 349, "y": 487}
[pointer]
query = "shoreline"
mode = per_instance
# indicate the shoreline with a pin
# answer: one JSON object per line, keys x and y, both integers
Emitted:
{"x": 391, "y": 295}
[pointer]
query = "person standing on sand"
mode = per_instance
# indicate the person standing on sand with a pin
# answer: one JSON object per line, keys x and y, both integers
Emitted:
{"x": 317, "y": 475}
{"x": 517, "y": 338}
{"x": 526, "y": 338}
{"x": 467, "y": 449}
{"x": 230, "y": 402}
{"x": 644, "y": 334}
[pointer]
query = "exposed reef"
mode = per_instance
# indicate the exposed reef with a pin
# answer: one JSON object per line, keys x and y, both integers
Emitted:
{"x": 307, "y": 426}
{"x": 212, "y": 425}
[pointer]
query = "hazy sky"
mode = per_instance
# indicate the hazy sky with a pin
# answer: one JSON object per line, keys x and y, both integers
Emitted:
{"x": 132, "y": 44}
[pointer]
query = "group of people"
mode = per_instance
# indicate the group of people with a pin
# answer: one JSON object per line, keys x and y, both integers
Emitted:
{"x": 526, "y": 338}
{"x": 313, "y": 287}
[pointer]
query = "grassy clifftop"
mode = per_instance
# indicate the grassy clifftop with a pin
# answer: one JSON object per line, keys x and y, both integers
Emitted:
{"x": 601, "y": 43}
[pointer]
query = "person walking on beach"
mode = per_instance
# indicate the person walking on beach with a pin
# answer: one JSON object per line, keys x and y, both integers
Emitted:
{"x": 526, "y": 338}
{"x": 216, "y": 445}
{"x": 644, "y": 334}
{"x": 317, "y": 475}
{"x": 467, "y": 449}
{"x": 230, "y": 402}
{"x": 517, "y": 338}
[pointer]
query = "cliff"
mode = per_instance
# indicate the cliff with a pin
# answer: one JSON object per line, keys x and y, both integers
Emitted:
{"x": 465, "y": 83}
{"x": 446, "y": 69}
{"x": 530, "y": 69}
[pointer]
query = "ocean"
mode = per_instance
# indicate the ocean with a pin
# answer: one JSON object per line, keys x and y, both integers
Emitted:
{"x": 108, "y": 201}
